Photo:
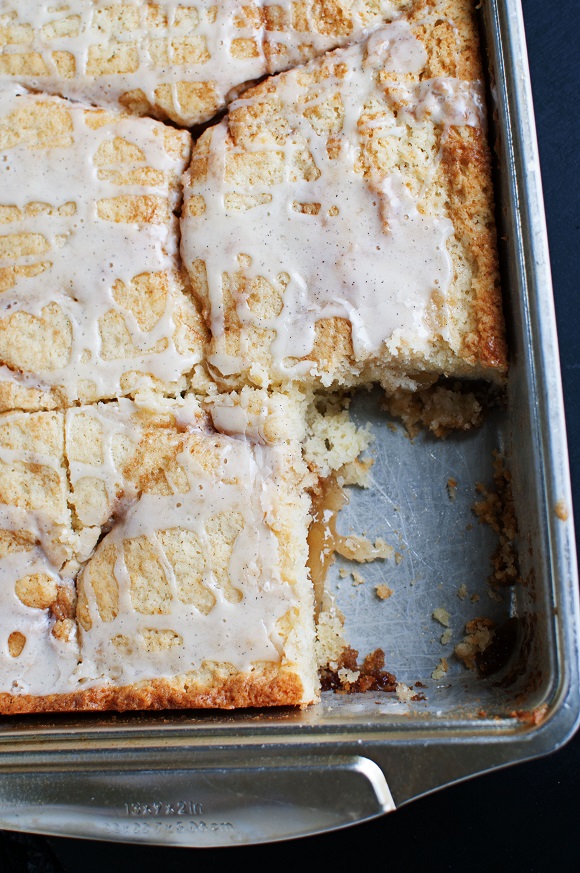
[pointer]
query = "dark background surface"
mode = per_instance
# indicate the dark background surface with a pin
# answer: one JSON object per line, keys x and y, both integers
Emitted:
{"x": 525, "y": 818}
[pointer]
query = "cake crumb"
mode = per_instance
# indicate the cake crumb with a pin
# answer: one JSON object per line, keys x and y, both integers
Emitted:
{"x": 475, "y": 598}
{"x": 346, "y": 676}
{"x": 371, "y": 675}
{"x": 356, "y": 472}
{"x": 398, "y": 557}
{"x": 357, "y": 578}
{"x": 446, "y": 636}
{"x": 441, "y": 615}
{"x": 360, "y": 549}
{"x": 452, "y": 488}
{"x": 343, "y": 572}
{"x": 404, "y": 693}
{"x": 462, "y": 592}
{"x": 441, "y": 669}
{"x": 383, "y": 592}
{"x": 334, "y": 442}
{"x": 478, "y": 635}
{"x": 439, "y": 409}
{"x": 496, "y": 509}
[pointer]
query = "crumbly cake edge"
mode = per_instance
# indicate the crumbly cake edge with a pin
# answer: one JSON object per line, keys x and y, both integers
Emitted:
{"x": 282, "y": 688}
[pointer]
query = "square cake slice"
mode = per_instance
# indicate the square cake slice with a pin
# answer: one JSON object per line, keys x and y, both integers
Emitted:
{"x": 93, "y": 301}
{"x": 197, "y": 592}
{"x": 176, "y": 60}
{"x": 338, "y": 223}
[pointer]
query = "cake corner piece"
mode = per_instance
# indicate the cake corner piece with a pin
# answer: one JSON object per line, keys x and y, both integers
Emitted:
{"x": 354, "y": 203}
{"x": 192, "y": 589}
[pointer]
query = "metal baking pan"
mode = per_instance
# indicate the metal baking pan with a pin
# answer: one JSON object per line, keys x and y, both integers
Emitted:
{"x": 215, "y": 779}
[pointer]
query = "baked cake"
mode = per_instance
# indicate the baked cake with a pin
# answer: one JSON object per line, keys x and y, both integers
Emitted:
{"x": 93, "y": 301}
{"x": 196, "y": 592}
{"x": 182, "y": 311}
{"x": 338, "y": 222}
{"x": 177, "y": 60}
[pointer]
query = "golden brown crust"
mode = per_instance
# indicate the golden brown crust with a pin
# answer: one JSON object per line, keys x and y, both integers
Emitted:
{"x": 467, "y": 165}
{"x": 453, "y": 44}
{"x": 270, "y": 688}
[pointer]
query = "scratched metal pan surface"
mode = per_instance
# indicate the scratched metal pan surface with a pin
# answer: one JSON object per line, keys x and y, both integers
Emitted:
{"x": 224, "y": 779}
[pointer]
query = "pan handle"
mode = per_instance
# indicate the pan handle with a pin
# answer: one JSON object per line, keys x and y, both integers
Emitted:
{"x": 199, "y": 806}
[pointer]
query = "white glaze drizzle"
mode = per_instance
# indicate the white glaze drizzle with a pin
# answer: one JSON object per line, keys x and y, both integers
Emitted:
{"x": 45, "y": 663}
{"x": 156, "y": 48}
{"x": 246, "y": 482}
{"x": 231, "y": 414}
{"x": 379, "y": 260}
{"x": 85, "y": 254}
{"x": 237, "y": 633}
